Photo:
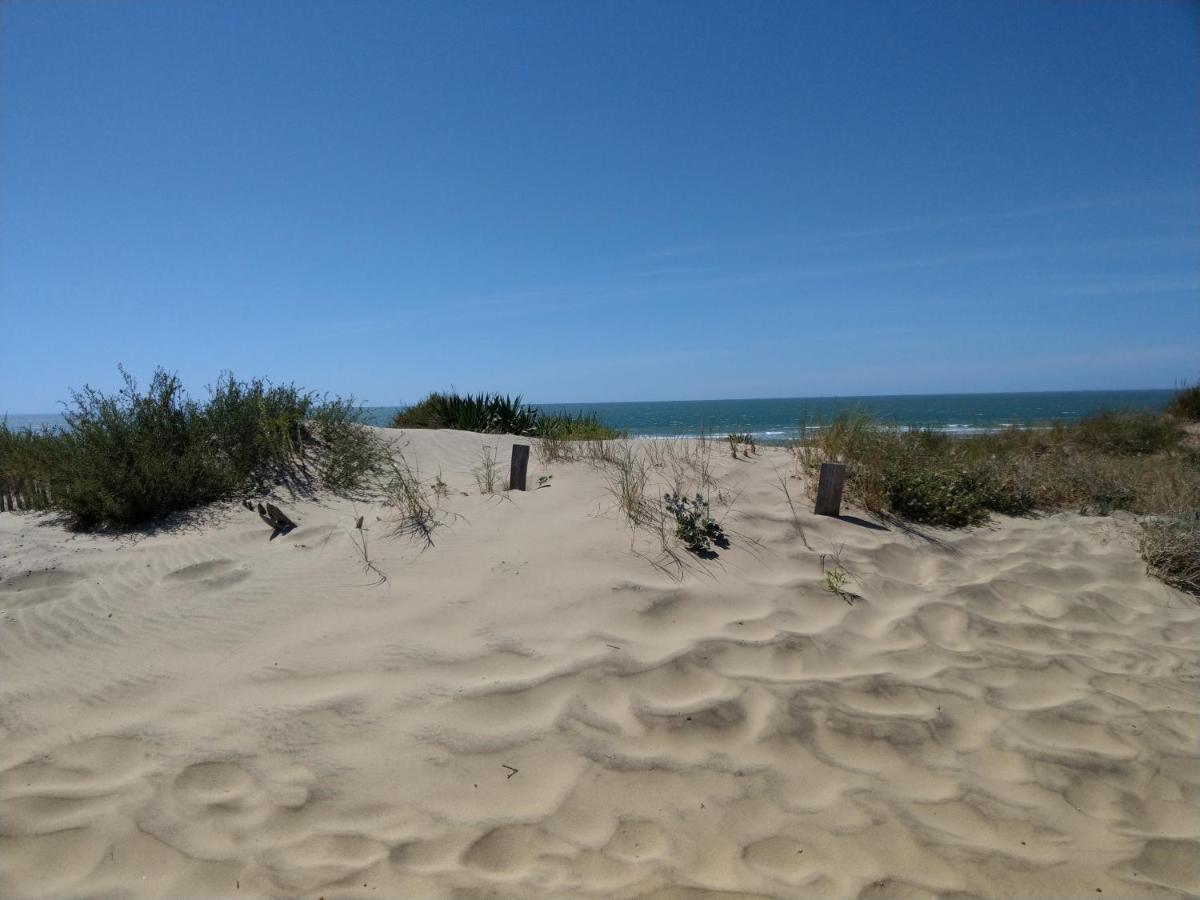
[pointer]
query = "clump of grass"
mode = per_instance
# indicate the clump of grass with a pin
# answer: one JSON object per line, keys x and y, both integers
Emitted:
{"x": 134, "y": 455}
{"x": 501, "y": 414}
{"x": 403, "y": 490}
{"x": 487, "y": 473}
{"x": 835, "y": 580}
{"x": 1186, "y": 403}
{"x": 440, "y": 489}
{"x": 744, "y": 440}
{"x": 627, "y": 476}
{"x": 1127, "y": 434}
{"x": 1171, "y": 547}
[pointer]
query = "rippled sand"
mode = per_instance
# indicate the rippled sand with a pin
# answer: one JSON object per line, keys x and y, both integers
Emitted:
{"x": 534, "y": 708}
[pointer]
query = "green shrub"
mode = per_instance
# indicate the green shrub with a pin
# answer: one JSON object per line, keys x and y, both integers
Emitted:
{"x": 1111, "y": 461}
{"x": 693, "y": 524}
{"x": 949, "y": 496}
{"x": 1127, "y": 434}
{"x": 348, "y": 455}
{"x": 500, "y": 414}
{"x": 1186, "y": 403}
{"x": 131, "y": 456}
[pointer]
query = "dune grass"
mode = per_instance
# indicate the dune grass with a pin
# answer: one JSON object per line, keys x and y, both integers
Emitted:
{"x": 1140, "y": 462}
{"x": 133, "y": 455}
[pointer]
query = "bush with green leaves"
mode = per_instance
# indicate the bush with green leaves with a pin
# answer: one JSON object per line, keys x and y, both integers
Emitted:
{"x": 1128, "y": 434}
{"x": 500, "y": 414}
{"x": 1137, "y": 462}
{"x": 694, "y": 526}
{"x": 1186, "y": 403}
{"x": 131, "y": 456}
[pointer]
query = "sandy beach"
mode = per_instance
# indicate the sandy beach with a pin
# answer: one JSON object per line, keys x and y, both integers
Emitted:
{"x": 540, "y": 705}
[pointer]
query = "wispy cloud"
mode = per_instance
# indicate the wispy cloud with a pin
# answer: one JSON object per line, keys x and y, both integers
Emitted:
{"x": 1032, "y": 212}
{"x": 1131, "y": 286}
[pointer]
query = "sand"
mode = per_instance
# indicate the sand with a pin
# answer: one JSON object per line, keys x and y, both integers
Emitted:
{"x": 537, "y": 707}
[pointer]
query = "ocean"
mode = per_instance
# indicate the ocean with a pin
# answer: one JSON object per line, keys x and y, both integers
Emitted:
{"x": 781, "y": 418}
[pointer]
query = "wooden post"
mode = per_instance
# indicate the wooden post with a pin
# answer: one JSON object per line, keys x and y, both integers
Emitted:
{"x": 829, "y": 489}
{"x": 520, "y": 463}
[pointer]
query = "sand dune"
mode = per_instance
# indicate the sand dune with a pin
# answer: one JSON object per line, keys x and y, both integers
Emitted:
{"x": 534, "y": 708}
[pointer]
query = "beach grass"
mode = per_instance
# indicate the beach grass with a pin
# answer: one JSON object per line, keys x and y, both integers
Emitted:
{"x": 1143, "y": 463}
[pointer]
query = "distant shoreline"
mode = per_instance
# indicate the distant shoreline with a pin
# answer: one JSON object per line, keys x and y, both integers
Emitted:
{"x": 778, "y": 419}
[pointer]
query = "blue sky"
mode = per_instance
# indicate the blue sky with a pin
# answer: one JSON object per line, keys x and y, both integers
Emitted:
{"x": 600, "y": 201}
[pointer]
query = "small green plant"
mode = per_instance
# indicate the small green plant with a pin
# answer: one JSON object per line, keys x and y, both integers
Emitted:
{"x": 544, "y": 480}
{"x": 835, "y": 580}
{"x": 694, "y": 526}
{"x": 439, "y": 487}
{"x": 487, "y": 473}
{"x": 358, "y": 538}
{"x": 625, "y": 472}
{"x": 416, "y": 515}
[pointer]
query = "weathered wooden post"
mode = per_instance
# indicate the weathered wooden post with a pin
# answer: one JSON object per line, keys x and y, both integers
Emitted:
{"x": 520, "y": 463}
{"x": 829, "y": 489}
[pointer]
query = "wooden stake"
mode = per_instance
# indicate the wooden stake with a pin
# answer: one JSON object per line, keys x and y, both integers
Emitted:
{"x": 520, "y": 464}
{"x": 829, "y": 489}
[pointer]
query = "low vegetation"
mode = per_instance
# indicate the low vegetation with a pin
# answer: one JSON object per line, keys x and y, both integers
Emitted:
{"x": 1142, "y": 463}
{"x": 501, "y": 414}
{"x": 1186, "y": 403}
{"x": 1171, "y": 547}
{"x": 694, "y": 526}
{"x": 133, "y": 455}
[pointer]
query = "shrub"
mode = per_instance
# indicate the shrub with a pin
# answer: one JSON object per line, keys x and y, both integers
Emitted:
{"x": 1186, "y": 403}
{"x": 500, "y": 414}
{"x": 1126, "y": 434}
{"x": 947, "y": 496}
{"x": 693, "y": 524}
{"x": 348, "y": 455}
{"x": 1107, "y": 462}
{"x": 131, "y": 456}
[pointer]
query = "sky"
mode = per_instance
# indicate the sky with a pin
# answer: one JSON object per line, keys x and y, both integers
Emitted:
{"x": 597, "y": 201}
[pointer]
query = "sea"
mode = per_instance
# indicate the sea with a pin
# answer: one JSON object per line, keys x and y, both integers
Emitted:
{"x": 781, "y": 418}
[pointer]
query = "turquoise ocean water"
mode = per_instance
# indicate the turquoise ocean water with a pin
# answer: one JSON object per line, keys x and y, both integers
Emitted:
{"x": 778, "y": 419}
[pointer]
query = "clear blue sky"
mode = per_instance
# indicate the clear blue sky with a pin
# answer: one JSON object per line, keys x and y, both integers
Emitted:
{"x": 600, "y": 201}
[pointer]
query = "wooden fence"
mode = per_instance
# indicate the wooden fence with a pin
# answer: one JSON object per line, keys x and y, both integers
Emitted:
{"x": 22, "y": 493}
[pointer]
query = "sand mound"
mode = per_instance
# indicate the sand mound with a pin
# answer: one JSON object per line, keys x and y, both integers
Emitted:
{"x": 539, "y": 706}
